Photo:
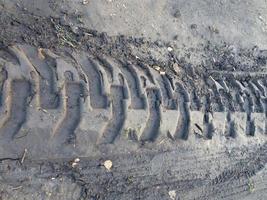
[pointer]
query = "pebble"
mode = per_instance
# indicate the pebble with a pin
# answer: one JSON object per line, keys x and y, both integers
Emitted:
{"x": 108, "y": 164}
{"x": 85, "y": 2}
{"x": 172, "y": 194}
{"x": 170, "y": 49}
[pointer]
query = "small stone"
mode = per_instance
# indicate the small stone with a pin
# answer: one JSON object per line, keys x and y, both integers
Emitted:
{"x": 261, "y": 18}
{"x": 75, "y": 162}
{"x": 85, "y": 2}
{"x": 157, "y": 68}
{"x": 172, "y": 194}
{"x": 170, "y": 49}
{"x": 177, "y": 14}
{"x": 175, "y": 37}
{"x": 108, "y": 164}
{"x": 193, "y": 26}
{"x": 213, "y": 29}
{"x": 176, "y": 68}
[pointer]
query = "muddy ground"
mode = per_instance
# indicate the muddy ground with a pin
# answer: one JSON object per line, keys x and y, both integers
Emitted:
{"x": 196, "y": 36}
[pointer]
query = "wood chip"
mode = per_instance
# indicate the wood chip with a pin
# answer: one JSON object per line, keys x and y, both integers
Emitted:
{"x": 23, "y": 156}
{"x": 40, "y": 54}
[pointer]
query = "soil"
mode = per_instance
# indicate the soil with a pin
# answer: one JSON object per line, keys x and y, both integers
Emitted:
{"x": 201, "y": 45}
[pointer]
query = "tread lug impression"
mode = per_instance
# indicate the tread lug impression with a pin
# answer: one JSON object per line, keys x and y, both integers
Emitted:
{"x": 117, "y": 118}
{"x": 65, "y": 129}
{"x": 18, "y": 94}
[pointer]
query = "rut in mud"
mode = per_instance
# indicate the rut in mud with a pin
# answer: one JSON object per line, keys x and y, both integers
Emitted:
{"x": 77, "y": 97}
{"x": 174, "y": 126}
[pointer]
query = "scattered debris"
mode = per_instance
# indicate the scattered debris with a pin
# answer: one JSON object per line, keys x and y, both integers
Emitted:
{"x": 108, "y": 164}
{"x": 158, "y": 69}
{"x": 251, "y": 186}
{"x": 64, "y": 36}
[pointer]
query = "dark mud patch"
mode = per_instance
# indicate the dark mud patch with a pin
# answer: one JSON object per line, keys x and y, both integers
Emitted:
{"x": 191, "y": 65}
{"x": 25, "y": 27}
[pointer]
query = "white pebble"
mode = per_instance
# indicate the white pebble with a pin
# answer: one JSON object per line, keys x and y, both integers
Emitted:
{"x": 172, "y": 194}
{"x": 108, "y": 164}
{"x": 170, "y": 49}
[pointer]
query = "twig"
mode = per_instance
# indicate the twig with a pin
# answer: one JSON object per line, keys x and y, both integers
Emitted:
{"x": 16, "y": 188}
{"x": 23, "y": 156}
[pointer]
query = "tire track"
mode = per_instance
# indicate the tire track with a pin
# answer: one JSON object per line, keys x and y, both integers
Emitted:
{"x": 126, "y": 81}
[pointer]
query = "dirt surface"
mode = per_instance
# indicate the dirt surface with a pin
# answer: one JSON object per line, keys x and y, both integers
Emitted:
{"x": 236, "y": 22}
{"x": 172, "y": 106}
